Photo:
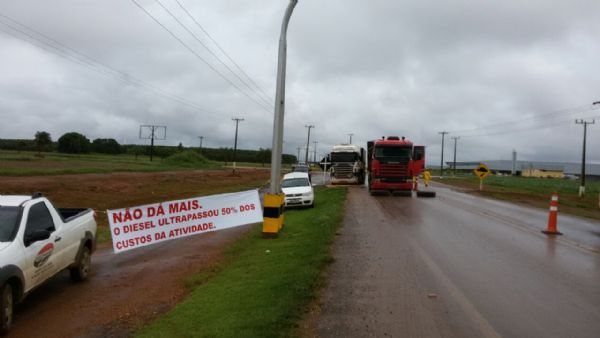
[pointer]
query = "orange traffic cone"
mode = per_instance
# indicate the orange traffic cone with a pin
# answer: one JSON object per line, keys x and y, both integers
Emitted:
{"x": 552, "y": 216}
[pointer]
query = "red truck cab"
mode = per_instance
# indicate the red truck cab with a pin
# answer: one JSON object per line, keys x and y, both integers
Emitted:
{"x": 393, "y": 162}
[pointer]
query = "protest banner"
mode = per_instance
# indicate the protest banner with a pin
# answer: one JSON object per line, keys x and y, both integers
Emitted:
{"x": 136, "y": 227}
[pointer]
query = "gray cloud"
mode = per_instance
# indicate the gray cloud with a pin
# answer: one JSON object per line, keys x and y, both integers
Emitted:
{"x": 374, "y": 68}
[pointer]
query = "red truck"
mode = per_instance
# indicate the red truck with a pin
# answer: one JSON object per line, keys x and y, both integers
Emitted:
{"x": 392, "y": 164}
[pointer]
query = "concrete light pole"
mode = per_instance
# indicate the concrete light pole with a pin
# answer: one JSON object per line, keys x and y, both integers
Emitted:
{"x": 273, "y": 201}
{"x": 280, "y": 102}
{"x": 442, "y": 160}
{"x": 350, "y": 138}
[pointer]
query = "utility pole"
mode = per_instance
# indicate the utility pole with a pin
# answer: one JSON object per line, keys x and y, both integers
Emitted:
{"x": 155, "y": 134}
{"x": 455, "y": 138}
{"x": 298, "y": 158}
{"x": 582, "y": 180}
{"x": 308, "y": 142}
{"x": 237, "y": 121}
{"x": 201, "y": 138}
{"x": 442, "y": 160}
{"x": 350, "y": 138}
{"x": 315, "y": 151}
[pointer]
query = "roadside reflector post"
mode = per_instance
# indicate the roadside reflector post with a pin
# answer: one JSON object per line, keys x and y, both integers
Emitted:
{"x": 552, "y": 216}
{"x": 272, "y": 214}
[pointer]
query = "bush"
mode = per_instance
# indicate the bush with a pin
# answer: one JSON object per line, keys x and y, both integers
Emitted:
{"x": 106, "y": 146}
{"x": 73, "y": 143}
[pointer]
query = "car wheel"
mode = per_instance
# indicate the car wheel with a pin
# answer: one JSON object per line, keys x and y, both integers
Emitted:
{"x": 6, "y": 312}
{"x": 84, "y": 265}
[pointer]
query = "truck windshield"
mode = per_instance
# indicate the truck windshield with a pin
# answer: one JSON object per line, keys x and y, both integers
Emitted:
{"x": 343, "y": 157}
{"x": 399, "y": 153}
{"x": 8, "y": 223}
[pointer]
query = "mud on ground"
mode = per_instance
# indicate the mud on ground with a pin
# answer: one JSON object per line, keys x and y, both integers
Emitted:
{"x": 128, "y": 289}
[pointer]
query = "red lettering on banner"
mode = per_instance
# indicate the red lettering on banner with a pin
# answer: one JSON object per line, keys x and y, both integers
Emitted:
{"x": 160, "y": 235}
{"x": 138, "y": 226}
{"x": 152, "y": 211}
{"x": 247, "y": 207}
{"x": 184, "y": 206}
{"x": 127, "y": 216}
{"x": 129, "y": 243}
{"x": 191, "y": 229}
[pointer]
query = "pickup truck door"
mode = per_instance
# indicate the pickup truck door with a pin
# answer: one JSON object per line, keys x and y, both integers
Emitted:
{"x": 40, "y": 256}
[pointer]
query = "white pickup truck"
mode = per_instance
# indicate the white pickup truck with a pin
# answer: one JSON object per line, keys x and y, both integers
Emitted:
{"x": 37, "y": 241}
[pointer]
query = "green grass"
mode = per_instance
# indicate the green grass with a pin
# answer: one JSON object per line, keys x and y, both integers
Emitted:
{"x": 263, "y": 287}
{"x": 536, "y": 192}
{"x": 14, "y": 163}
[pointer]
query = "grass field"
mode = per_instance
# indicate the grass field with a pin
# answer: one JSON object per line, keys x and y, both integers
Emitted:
{"x": 263, "y": 287}
{"x": 13, "y": 163}
{"x": 535, "y": 192}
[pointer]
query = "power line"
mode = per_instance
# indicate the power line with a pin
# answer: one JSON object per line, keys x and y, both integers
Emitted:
{"x": 258, "y": 94}
{"x": 532, "y": 118}
{"x": 548, "y": 124}
{"x": 55, "y": 47}
{"x": 222, "y": 50}
{"x": 196, "y": 54}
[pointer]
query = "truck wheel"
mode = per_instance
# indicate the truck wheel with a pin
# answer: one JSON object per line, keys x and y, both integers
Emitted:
{"x": 6, "y": 312}
{"x": 82, "y": 270}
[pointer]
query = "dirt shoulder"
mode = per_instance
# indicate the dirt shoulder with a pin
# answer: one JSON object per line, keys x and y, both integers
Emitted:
{"x": 128, "y": 289}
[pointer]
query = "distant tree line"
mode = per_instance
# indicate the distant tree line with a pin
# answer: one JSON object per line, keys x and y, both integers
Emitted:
{"x": 76, "y": 143}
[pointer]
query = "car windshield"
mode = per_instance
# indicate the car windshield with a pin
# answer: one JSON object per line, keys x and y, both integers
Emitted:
{"x": 301, "y": 168}
{"x": 295, "y": 182}
{"x": 8, "y": 222}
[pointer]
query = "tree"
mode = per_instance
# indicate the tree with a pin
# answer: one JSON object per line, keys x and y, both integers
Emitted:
{"x": 73, "y": 143}
{"x": 106, "y": 146}
{"x": 42, "y": 140}
{"x": 180, "y": 147}
{"x": 264, "y": 156}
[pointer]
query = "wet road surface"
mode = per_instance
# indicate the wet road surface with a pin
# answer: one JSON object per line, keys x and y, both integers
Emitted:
{"x": 459, "y": 266}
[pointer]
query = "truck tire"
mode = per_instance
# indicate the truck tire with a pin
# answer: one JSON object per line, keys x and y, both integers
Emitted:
{"x": 6, "y": 312}
{"x": 82, "y": 270}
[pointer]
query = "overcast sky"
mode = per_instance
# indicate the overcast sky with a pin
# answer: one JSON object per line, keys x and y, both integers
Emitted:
{"x": 501, "y": 75}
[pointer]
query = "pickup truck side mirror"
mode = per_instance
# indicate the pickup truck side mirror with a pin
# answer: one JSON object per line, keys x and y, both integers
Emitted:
{"x": 36, "y": 235}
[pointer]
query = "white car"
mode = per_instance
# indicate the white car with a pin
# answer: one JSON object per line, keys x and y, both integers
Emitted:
{"x": 298, "y": 190}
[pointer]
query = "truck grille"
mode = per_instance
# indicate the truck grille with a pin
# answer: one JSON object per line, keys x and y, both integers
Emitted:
{"x": 343, "y": 170}
{"x": 393, "y": 170}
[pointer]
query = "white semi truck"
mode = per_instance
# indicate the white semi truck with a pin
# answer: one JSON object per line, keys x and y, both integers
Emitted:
{"x": 347, "y": 164}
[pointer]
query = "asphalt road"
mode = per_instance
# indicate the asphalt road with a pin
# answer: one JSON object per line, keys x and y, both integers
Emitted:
{"x": 459, "y": 266}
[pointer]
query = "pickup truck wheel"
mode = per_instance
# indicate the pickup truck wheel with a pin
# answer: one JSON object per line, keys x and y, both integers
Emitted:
{"x": 6, "y": 312}
{"x": 83, "y": 268}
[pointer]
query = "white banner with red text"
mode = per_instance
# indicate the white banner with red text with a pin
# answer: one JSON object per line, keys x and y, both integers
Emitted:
{"x": 135, "y": 227}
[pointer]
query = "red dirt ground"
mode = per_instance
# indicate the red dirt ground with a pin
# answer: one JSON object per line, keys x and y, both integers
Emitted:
{"x": 128, "y": 289}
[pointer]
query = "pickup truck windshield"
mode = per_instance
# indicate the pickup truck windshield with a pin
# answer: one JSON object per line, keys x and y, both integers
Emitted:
{"x": 8, "y": 222}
